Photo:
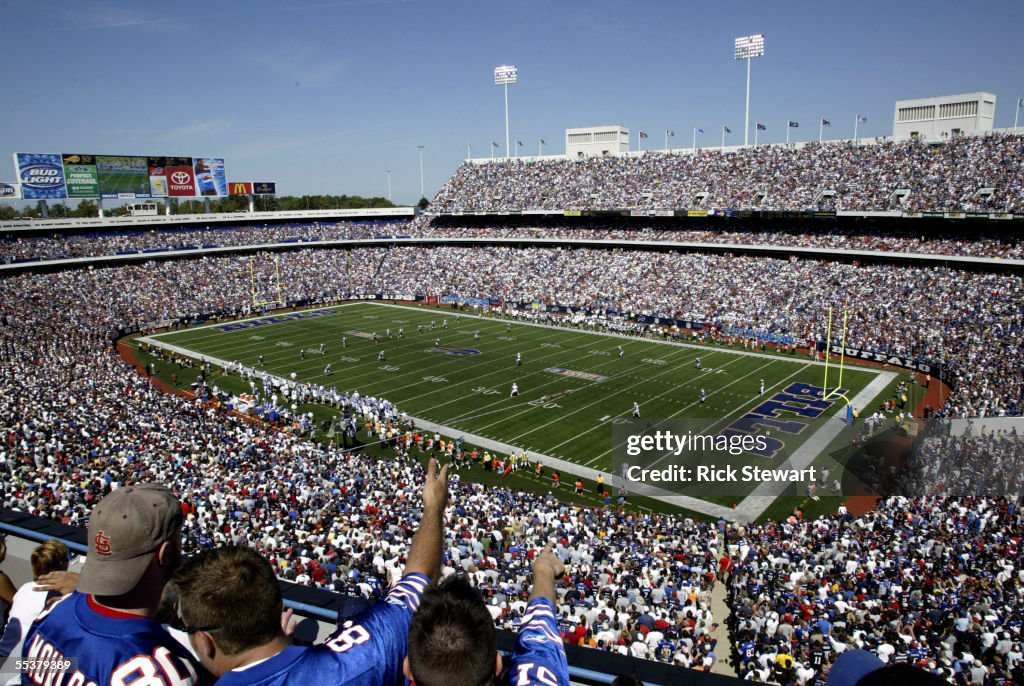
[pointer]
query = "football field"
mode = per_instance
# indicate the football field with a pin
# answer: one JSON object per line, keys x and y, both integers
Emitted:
{"x": 455, "y": 374}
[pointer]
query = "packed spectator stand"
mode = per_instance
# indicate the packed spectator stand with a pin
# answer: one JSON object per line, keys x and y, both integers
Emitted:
{"x": 932, "y": 581}
{"x": 948, "y": 177}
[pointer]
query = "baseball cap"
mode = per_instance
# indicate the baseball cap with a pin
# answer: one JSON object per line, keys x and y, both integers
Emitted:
{"x": 125, "y": 529}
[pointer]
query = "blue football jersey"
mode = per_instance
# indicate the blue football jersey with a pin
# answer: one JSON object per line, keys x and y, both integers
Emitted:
{"x": 106, "y": 647}
{"x": 366, "y": 650}
{"x": 539, "y": 656}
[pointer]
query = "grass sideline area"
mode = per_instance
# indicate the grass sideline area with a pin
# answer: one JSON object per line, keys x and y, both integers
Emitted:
{"x": 456, "y": 370}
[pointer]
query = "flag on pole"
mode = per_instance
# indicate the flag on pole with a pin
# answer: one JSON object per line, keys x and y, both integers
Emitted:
{"x": 826, "y": 122}
{"x": 643, "y": 134}
{"x": 1020, "y": 102}
{"x": 727, "y": 129}
{"x": 519, "y": 143}
{"x": 794, "y": 124}
{"x": 861, "y": 119}
{"x": 762, "y": 127}
{"x": 670, "y": 133}
{"x": 700, "y": 130}
{"x": 543, "y": 142}
{"x": 494, "y": 144}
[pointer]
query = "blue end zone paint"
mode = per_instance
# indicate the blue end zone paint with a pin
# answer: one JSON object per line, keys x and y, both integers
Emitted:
{"x": 277, "y": 319}
{"x": 800, "y": 399}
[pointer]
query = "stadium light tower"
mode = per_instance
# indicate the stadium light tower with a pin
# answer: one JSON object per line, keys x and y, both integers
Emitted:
{"x": 747, "y": 48}
{"x": 422, "y": 195}
{"x": 506, "y": 75}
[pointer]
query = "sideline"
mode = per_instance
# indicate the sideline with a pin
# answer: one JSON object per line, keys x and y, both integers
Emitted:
{"x": 747, "y": 510}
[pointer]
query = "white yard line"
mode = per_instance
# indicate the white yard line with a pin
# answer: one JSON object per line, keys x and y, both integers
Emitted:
{"x": 747, "y": 510}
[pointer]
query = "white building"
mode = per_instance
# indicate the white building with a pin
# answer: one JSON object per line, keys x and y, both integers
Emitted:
{"x": 596, "y": 141}
{"x": 937, "y": 119}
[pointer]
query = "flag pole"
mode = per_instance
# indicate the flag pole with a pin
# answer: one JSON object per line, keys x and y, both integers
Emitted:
{"x": 723, "y": 138}
{"x": 695, "y": 139}
{"x": 856, "y": 123}
{"x": 756, "y": 131}
{"x": 1016, "y": 112}
{"x": 787, "y": 132}
{"x": 821, "y": 128}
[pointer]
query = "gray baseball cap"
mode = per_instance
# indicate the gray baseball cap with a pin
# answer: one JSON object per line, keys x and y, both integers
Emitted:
{"x": 126, "y": 528}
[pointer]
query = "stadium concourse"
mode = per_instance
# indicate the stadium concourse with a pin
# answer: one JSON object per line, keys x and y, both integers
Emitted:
{"x": 935, "y": 581}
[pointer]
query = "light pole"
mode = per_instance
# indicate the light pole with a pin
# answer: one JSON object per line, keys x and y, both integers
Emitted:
{"x": 747, "y": 48}
{"x": 506, "y": 75}
{"x": 389, "y": 185}
{"x": 421, "y": 172}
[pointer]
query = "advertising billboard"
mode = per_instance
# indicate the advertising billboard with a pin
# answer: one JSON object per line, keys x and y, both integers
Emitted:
{"x": 157, "y": 170}
{"x": 240, "y": 188}
{"x": 80, "y": 175}
{"x": 10, "y": 191}
{"x": 123, "y": 176}
{"x": 41, "y": 175}
{"x": 211, "y": 179}
{"x": 264, "y": 188}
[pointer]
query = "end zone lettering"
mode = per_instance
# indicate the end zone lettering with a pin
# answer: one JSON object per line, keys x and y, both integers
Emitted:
{"x": 264, "y": 321}
{"x": 800, "y": 399}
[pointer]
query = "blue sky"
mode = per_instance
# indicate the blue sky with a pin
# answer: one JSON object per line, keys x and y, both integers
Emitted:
{"x": 326, "y": 97}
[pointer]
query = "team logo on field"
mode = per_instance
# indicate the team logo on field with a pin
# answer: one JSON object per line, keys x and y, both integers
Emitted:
{"x": 572, "y": 373}
{"x": 360, "y": 334}
{"x": 458, "y": 352}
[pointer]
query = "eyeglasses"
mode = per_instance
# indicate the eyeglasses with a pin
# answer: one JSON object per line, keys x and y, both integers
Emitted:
{"x": 177, "y": 622}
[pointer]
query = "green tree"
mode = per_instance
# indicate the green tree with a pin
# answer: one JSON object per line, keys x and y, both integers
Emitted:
{"x": 7, "y": 213}
{"x": 86, "y": 208}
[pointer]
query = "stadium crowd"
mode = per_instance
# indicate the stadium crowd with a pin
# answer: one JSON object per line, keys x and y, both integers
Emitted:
{"x": 948, "y": 177}
{"x": 995, "y": 243}
{"x": 79, "y": 422}
{"x": 15, "y": 248}
{"x": 930, "y": 581}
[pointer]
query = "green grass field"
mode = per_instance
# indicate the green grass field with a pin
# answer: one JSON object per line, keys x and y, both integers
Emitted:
{"x": 130, "y": 177}
{"x": 574, "y": 386}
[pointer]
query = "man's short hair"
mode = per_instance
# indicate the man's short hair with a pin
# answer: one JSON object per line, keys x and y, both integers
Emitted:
{"x": 126, "y": 529}
{"x": 451, "y": 637}
{"x": 232, "y": 594}
{"x": 49, "y": 556}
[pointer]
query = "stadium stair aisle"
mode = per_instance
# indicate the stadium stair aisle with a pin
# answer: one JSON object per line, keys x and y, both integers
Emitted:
{"x": 721, "y": 612}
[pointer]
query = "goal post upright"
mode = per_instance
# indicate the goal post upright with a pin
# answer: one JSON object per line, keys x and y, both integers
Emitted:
{"x": 827, "y": 394}
{"x": 842, "y": 348}
{"x": 277, "y": 283}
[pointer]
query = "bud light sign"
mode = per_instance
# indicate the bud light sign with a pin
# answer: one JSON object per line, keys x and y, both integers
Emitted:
{"x": 41, "y": 176}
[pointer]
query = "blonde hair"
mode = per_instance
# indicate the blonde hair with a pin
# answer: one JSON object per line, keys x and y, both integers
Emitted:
{"x": 49, "y": 556}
